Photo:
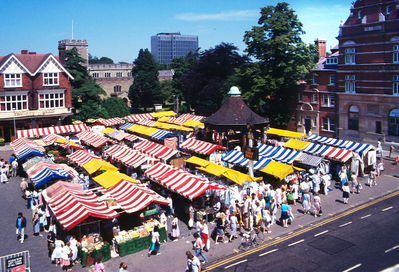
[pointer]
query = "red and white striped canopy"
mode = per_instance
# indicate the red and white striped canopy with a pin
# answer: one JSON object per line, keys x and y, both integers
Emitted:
{"x": 338, "y": 154}
{"x": 179, "y": 181}
{"x": 73, "y": 207}
{"x": 200, "y": 147}
{"x": 184, "y": 117}
{"x": 132, "y": 197}
{"x": 131, "y": 137}
{"x": 81, "y": 157}
{"x": 34, "y": 132}
{"x": 42, "y": 165}
{"x": 139, "y": 117}
{"x": 154, "y": 149}
{"x": 148, "y": 123}
{"x": 110, "y": 122}
{"x": 128, "y": 156}
{"x": 93, "y": 139}
{"x": 22, "y": 143}
{"x": 51, "y": 138}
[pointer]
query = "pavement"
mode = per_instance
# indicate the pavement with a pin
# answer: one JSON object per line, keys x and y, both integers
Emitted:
{"x": 172, "y": 256}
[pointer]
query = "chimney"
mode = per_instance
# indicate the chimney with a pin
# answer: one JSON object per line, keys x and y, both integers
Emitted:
{"x": 32, "y": 53}
{"x": 321, "y": 47}
{"x": 24, "y": 52}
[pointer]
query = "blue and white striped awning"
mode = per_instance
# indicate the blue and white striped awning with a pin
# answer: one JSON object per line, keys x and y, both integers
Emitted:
{"x": 235, "y": 157}
{"x": 279, "y": 153}
{"x": 359, "y": 148}
{"x": 349, "y": 145}
{"x": 162, "y": 134}
{"x": 28, "y": 152}
{"x": 126, "y": 126}
{"x": 267, "y": 150}
{"x": 316, "y": 148}
{"x": 48, "y": 174}
{"x": 261, "y": 163}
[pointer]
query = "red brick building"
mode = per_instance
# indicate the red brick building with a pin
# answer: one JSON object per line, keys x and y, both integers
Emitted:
{"x": 354, "y": 91}
{"x": 35, "y": 91}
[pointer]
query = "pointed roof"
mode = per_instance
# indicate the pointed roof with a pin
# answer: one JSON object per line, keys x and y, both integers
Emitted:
{"x": 234, "y": 112}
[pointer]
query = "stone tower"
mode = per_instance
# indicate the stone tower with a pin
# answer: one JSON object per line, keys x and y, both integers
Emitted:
{"x": 81, "y": 45}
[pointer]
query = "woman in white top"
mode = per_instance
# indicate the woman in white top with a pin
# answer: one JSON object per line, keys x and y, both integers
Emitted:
{"x": 155, "y": 242}
{"x": 3, "y": 174}
{"x": 175, "y": 228}
{"x": 233, "y": 226}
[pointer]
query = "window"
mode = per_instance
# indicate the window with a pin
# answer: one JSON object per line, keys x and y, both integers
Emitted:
{"x": 95, "y": 75}
{"x": 300, "y": 97}
{"x": 353, "y": 118}
{"x": 388, "y": 10}
{"x": 315, "y": 79}
{"x": 12, "y": 80}
{"x": 393, "y": 123}
{"x": 396, "y": 54}
{"x": 107, "y": 75}
{"x": 314, "y": 98}
{"x": 118, "y": 74}
{"x": 129, "y": 74}
{"x": 359, "y": 14}
{"x": 328, "y": 100}
{"x": 50, "y": 79}
{"x": 395, "y": 85}
{"x": 332, "y": 60}
{"x": 15, "y": 102}
{"x": 117, "y": 89}
{"x": 350, "y": 56}
{"x": 51, "y": 100}
{"x": 350, "y": 84}
{"x": 331, "y": 80}
{"x": 328, "y": 124}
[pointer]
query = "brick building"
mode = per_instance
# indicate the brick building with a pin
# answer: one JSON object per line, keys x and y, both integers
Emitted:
{"x": 35, "y": 91}
{"x": 354, "y": 91}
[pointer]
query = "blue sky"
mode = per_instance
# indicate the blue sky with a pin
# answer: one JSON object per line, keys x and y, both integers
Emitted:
{"x": 119, "y": 28}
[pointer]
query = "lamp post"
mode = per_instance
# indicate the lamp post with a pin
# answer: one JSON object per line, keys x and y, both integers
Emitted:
{"x": 15, "y": 127}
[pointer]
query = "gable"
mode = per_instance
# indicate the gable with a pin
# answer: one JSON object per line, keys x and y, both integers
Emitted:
{"x": 13, "y": 66}
{"x": 50, "y": 66}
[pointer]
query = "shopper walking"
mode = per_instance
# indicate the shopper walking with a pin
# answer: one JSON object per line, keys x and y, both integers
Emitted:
{"x": 285, "y": 214}
{"x": 233, "y": 226}
{"x": 199, "y": 246}
{"x": 345, "y": 193}
{"x": 99, "y": 266}
{"x": 175, "y": 228}
{"x": 317, "y": 205}
{"x": 306, "y": 204}
{"x": 20, "y": 227}
{"x": 355, "y": 183}
{"x": 155, "y": 242}
{"x": 372, "y": 178}
{"x": 193, "y": 263}
{"x": 4, "y": 174}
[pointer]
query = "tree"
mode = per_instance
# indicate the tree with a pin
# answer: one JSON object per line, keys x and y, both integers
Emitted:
{"x": 102, "y": 60}
{"x": 180, "y": 67}
{"x": 283, "y": 60}
{"x": 116, "y": 107}
{"x": 145, "y": 90}
{"x": 73, "y": 63}
{"x": 204, "y": 84}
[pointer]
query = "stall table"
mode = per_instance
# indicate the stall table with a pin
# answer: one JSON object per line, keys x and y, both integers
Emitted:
{"x": 87, "y": 259}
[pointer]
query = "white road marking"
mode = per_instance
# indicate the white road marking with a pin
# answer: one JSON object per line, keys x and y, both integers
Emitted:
{"x": 351, "y": 268}
{"x": 243, "y": 261}
{"x": 343, "y": 225}
{"x": 392, "y": 248}
{"x": 365, "y": 216}
{"x": 270, "y": 251}
{"x": 297, "y": 242}
{"x": 320, "y": 233}
{"x": 387, "y": 209}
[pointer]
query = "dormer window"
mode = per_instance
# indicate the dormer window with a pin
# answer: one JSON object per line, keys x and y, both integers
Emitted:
{"x": 359, "y": 14}
{"x": 332, "y": 60}
{"x": 12, "y": 80}
{"x": 50, "y": 79}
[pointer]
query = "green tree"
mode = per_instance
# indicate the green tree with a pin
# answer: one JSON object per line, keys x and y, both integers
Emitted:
{"x": 102, "y": 60}
{"x": 204, "y": 84}
{"x": 91, "y": 109}
{"x": 116, "y": 107}
{"x": 181, "y": 66}
{"x": 145, "y": 90}
{"x": 283, "y": 59}
{"x": 73, "y": 63}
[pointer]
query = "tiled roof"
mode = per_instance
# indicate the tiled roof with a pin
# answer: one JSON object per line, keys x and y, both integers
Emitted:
{"x": 32, "y": 61}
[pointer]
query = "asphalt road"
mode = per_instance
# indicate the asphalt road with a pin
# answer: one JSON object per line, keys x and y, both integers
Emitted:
{"x": 366, "y": 240}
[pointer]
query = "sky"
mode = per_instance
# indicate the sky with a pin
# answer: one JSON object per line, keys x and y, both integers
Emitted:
{"x": 118, "y": 29}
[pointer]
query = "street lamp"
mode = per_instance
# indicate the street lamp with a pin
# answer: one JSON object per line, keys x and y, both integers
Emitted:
{"x": 15, "y": 127}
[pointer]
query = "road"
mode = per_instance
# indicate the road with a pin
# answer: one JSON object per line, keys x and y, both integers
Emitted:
{"x": 365, "y": 238}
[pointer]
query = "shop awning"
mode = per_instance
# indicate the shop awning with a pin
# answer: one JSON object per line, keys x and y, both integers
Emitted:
{"x": 131, "y": 137}
{"x": 213, "y": 169}
{"x": 278, "y": 153}
{"x": 93, "y": 139}
{"x": 34, "y": 132}
{"x": 309, "y": 160}
{"x": 110, "y": 122}
{"x": 359, "y": 148}
{"x": 132, "y": 198}
{"x": 110, "y": 178}
{"x": 345, "y": 144}
{"x": 261, "y": 163}
{"x": 108, "y": 130}
{"x": 164, "y": 119}
{"x": 197, "y": 161}
{"x": 154, "y": 149}
{"x": 81, "y": 157}
{"x": 200, "y": 147}
{"x": 28, "y": 152}
{"x": 193, "y": 124}
{"x": 127, "y": 156}
{"x": 72, "y": 207}
{"x": 137, "y": 117}
{"x": 98, "y": 165}
{"x": 162, "y": 134}
{"x": 267, "y": 150}
{"x": 296, "y": 144}
{"x": 172, "y": 126}
{"x": 66, "y": 143}
{"x": 163, "y": 113}
{"x": 239, "y": 177}
{"x": 41, "y": 165}
{"x": 47, "y": 174}
{"x": 235, "y": 157}
{"x": 23, "y": 143}
{"x": 148, "y": 131}
{"x": 285, "y": 133}
{"x": 126, "y": 126}
{"x": 330, "y": 152}
{"x": 179, "y": 181}
{"x": 147, "y": 123}
{"x": 278, "y": 170}
{"x": 51, "y": 138}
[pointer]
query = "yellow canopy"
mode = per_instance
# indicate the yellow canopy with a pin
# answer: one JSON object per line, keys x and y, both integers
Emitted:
{"x": 163, "y": 113}
{"x": 192, "y": 123}
{"x": 238, "y": 177}
{"x": 96, "y": 165}
{"x": 198, "y": 161}
{"x": 278, "y": 170}
{"x": 108, "y": 130}
{"x": 296, "y": 144}
{"x": 213, "y": 169}
{"x": 65, "y": 141}
{"x": 143, "y": 130}
{"x": 171, "y": 126}
{"x": 110, "y": 178}
{"x": 285, "y": 133}
{"x": 164, "y": 119}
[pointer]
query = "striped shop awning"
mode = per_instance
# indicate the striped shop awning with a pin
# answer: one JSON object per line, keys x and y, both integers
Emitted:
{"x": 334, "y": 153}
{"x": 309, "y": 160}
{"x": 154, "y": 149}
{"x": 200, "y": 147}
{"x": 128, "y": 156}
{"x": 93, "y": 139}
{"x": 267, "y": 150}
{"x": 235, "y": 157}
{"x": 110, "y": 122}
{"x": 47, "y": 174}
{"x": 162, "y": 134}
{"x": 34, "y": 132}
{"x": 278, "y": 153}
{"x": 148, "y": 123}
{"x": 139, "y": 117}
{"x": 81, "y": 157}
{"x": 23, "y": 143}
{"x": 350, "y": 145}
{"x": 126, "y": 126}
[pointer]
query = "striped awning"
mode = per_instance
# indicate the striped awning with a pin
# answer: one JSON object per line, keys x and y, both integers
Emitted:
{"x": 148, "y": 123}
{"x": 353, "y": 146}
{"x": 185, "y": 117}
{"x": 154, "y": 149}
{"x": 72, "y": 207}
{"x": 180, "y": 181}
{"x": 334, "y": 153}
{"x": 81, "y": 157}
{"x": 162, "y": 134}
{"x": 200, "y": 147}
{"x": 235, "y": 157}
{"x": 309, "y": 160}
{"x": 28, "y": 152}
{"x": 34, "y": 132}
{"x": 279, "y": 153}
{"x": 92, "y": 138}
{"x": 132, "y": 198}
{"x": 41, "y": 165}
{"x": 47, "y": 174}
{"x": 139, "y": 117}
{"x": 23, "y": 143}
{"x": 126, "y": 126}
{"x": 128, "y": 156}
{"x": 110, "y": 122}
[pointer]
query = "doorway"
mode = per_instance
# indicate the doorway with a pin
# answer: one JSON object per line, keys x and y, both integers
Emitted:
{"x": 308, "y": 124}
